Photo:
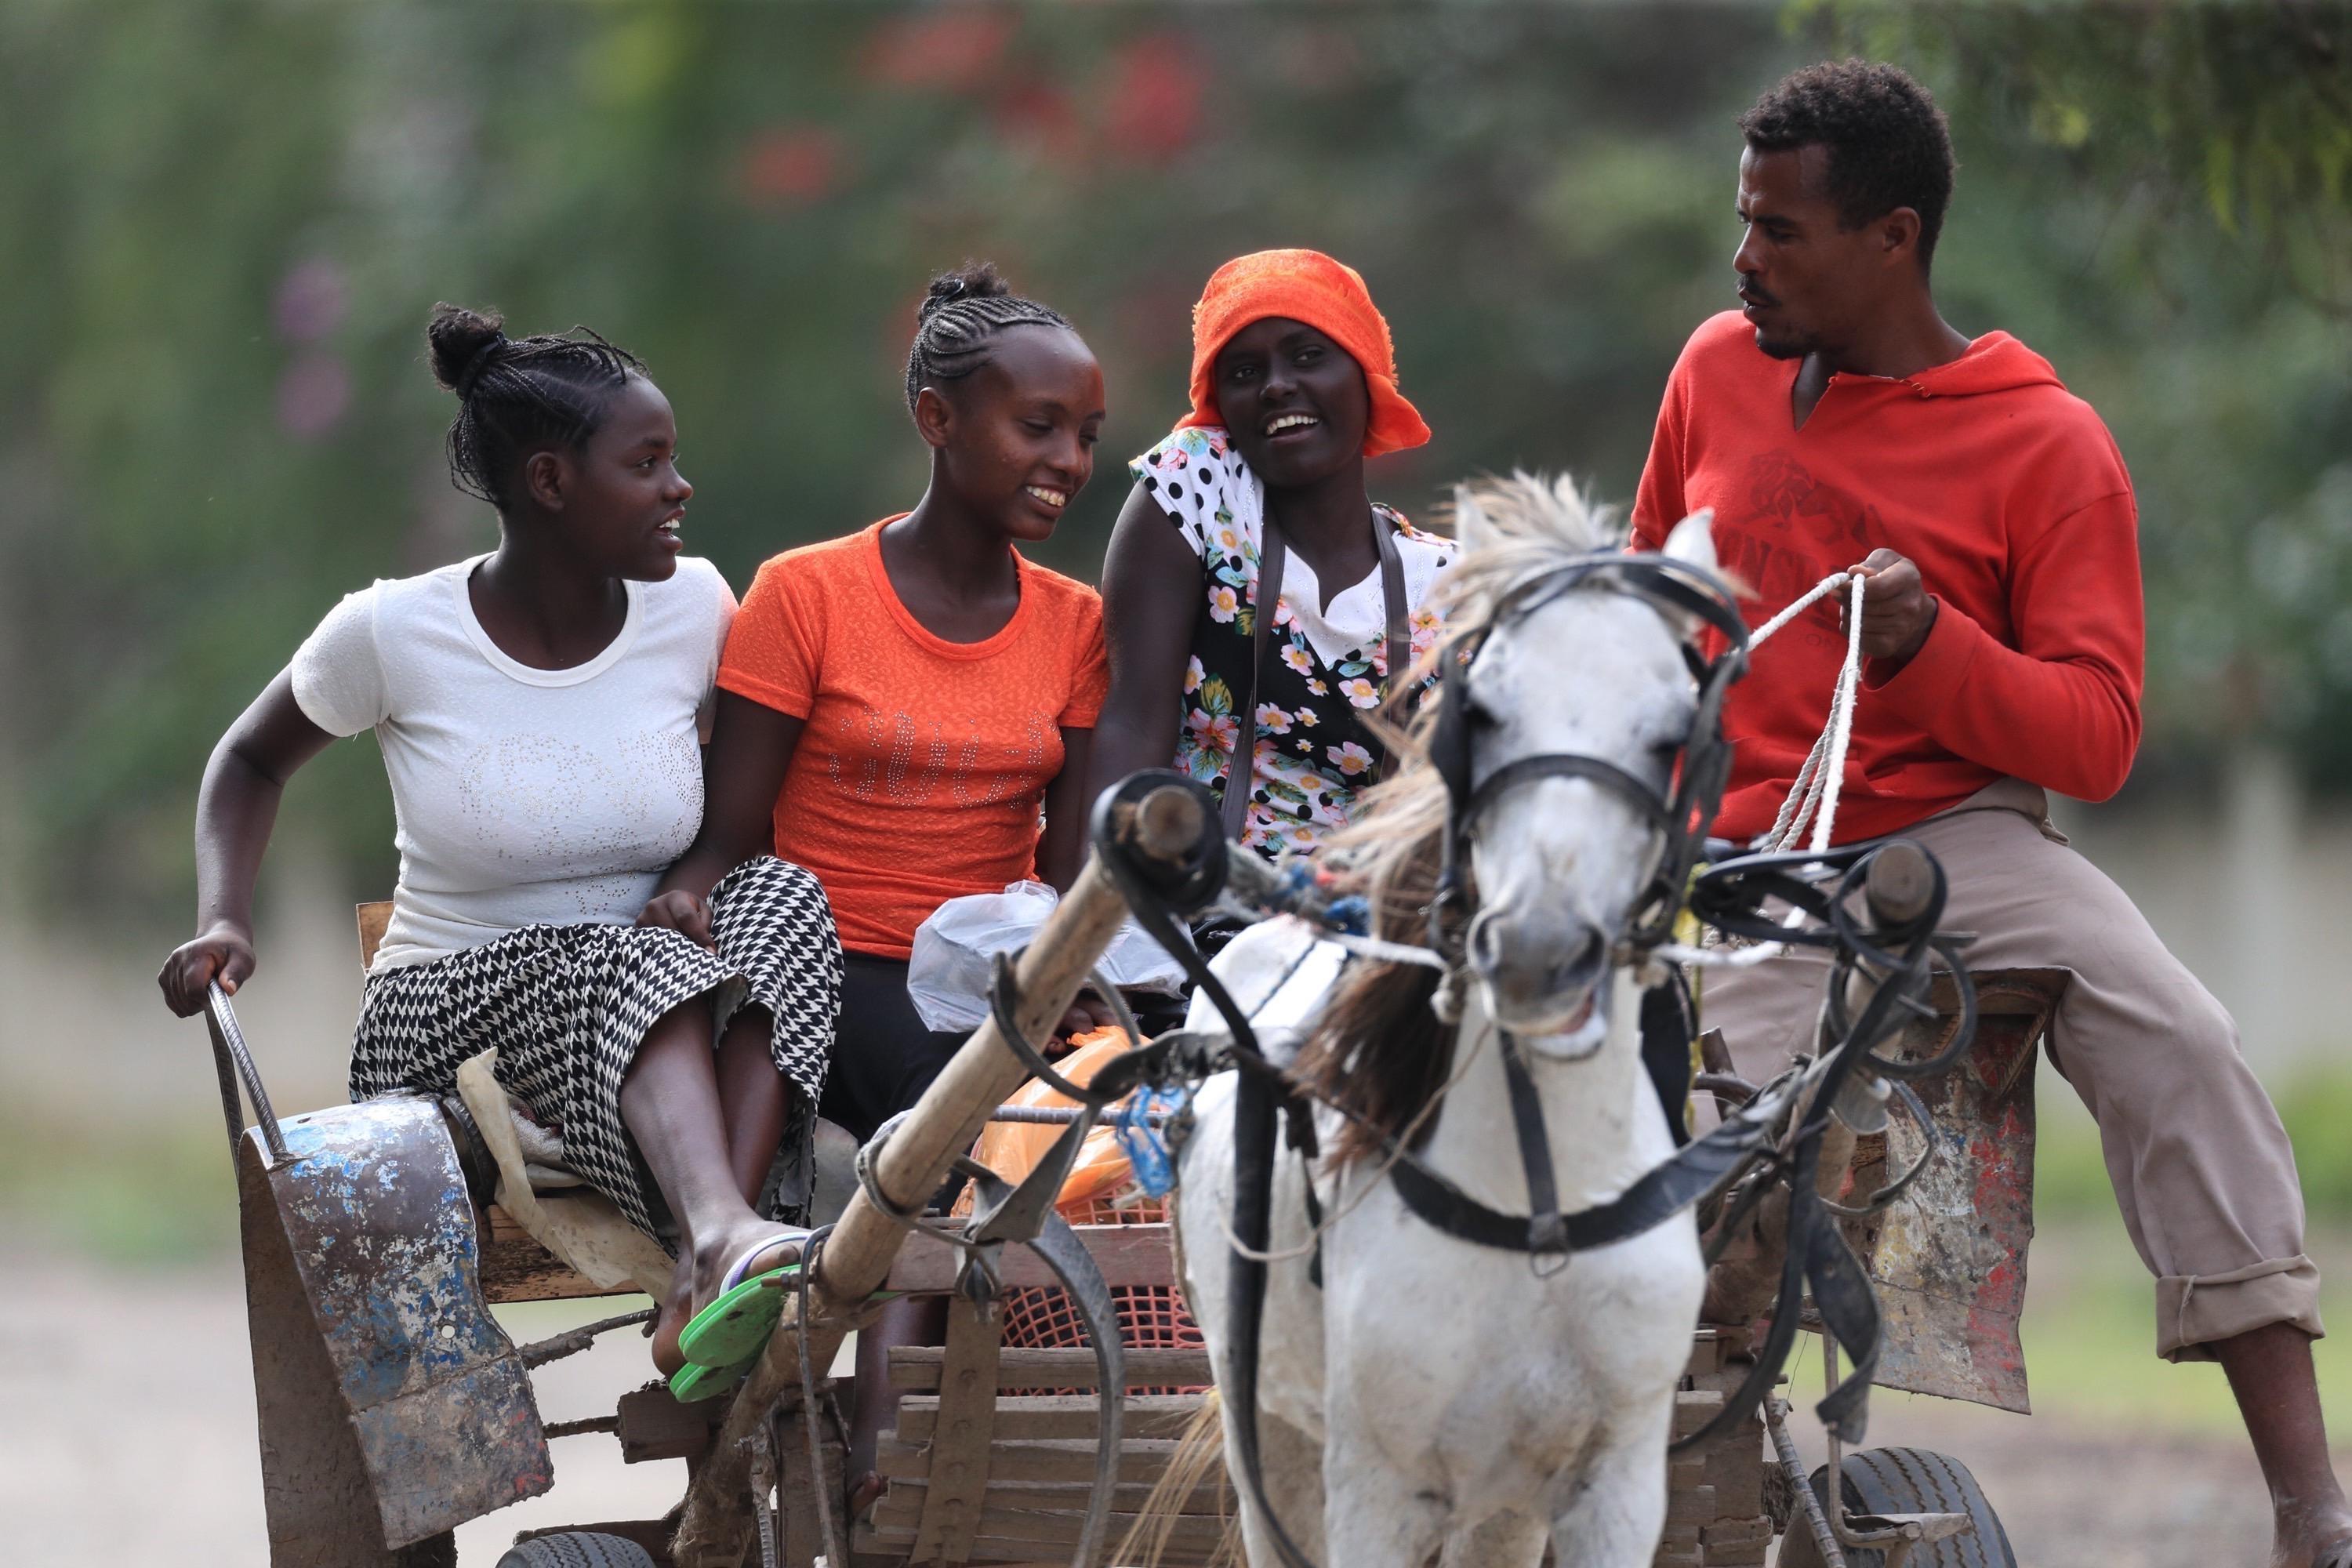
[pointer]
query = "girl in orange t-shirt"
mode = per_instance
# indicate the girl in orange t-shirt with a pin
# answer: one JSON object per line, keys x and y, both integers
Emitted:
{"x": 895, "y": 707}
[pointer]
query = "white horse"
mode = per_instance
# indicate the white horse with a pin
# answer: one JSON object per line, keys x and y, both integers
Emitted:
{"x": 1436, "y": 1399}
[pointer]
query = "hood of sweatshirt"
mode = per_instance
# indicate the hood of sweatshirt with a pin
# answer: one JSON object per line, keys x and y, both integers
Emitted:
{"x": 1994, "y": 362}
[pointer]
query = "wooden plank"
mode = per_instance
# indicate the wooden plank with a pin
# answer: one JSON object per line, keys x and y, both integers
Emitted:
{"x": 916, "y": 1368}
{"x": 871, "y": 1550}
{"x": 1735, "y": 1470}
{"x": 373, "y": 918}
{"x": 797, "y": 1481}
{"x": 957, "y": 1458}
{"x": 652, "y": 1425}
{"x": 1696, "y": 1506}
{"x": 893, "y": 1526}
{"x": 1126, "y": 1255}
{"x": 1694, "y": 1408}
{"x": 1736, "y": 1543}
{"x": 1069, "y": 1461}
{"x": 1050, "y": 1415}
{"x": 1707, "y": 1351}
{"x": 1210, "y": 1497}
{"x": 516, "y": 1268}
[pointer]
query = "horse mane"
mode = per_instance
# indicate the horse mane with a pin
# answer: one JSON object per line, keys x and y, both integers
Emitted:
{"x": 1381, "y": 1052}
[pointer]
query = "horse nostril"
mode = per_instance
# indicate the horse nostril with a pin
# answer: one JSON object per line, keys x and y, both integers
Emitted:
{"x": 1583, "y": 961}
{"x": 1482, "y": 946}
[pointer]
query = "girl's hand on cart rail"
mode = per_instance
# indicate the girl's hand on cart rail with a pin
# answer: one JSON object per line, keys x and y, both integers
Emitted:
{"x": 224, "y": 953}
{"x": 683, "y": 912}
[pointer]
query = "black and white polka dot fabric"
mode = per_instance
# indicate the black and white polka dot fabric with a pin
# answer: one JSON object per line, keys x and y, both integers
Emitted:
{"x": 567, "y": 1006}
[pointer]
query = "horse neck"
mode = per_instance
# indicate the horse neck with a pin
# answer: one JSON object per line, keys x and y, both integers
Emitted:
{"x": 1599, "y": 1114}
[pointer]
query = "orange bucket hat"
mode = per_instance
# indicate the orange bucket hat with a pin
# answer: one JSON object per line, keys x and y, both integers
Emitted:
{"x": 1329, "y": 296}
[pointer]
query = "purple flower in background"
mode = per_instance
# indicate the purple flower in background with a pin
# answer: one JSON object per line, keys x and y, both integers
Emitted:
{"x": 310, "y": 301}
{"x": 313, "y": 395}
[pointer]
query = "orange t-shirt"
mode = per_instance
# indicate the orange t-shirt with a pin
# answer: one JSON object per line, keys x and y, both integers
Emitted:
{"x": 923, "y": 766}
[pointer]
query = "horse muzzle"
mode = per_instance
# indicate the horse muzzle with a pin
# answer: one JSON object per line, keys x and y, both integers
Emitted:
{"x": 1542, "y": 976}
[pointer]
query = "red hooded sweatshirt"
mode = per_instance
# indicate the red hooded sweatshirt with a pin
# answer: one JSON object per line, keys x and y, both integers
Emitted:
{"x": 2007, "y": 491}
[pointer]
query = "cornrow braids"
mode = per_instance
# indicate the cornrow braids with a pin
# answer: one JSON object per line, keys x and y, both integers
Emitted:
{"x": 514, "y": 394}
{"x": 960, "y": 318}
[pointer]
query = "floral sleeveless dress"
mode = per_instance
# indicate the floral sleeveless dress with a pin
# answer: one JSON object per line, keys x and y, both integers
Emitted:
{"x": 1324, "y": 668}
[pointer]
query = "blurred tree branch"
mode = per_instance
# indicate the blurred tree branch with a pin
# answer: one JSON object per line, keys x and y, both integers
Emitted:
{"x": 2241, "y": 111}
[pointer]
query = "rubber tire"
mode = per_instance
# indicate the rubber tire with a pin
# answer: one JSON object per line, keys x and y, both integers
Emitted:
{"x": 576, "y": 1549}
{"x": 1907, "y": 1480}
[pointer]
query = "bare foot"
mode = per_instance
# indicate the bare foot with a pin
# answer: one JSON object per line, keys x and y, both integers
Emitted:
{"x": 864, "y": 1494}
{"x": 2311, "y": 1537}
{"x": 677, "y": 1311}
{"x": 701, "y": 1274}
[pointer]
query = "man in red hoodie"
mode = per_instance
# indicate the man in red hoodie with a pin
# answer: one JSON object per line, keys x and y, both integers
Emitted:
{"x": 1836, "y": 423}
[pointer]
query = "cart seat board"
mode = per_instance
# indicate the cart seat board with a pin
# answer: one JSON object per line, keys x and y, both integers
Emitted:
{"x": 919, "y": 1367}
{"x": 1127, "y": 1254}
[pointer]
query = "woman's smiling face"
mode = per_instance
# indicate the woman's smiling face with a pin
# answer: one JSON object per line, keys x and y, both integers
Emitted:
{"x": 1017, "y": 437}
{"x": 1294, "y": 402}
{"x": 623, "y": 496}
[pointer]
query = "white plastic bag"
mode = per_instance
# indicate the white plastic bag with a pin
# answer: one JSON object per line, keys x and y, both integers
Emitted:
{"x": 956, "y": 948}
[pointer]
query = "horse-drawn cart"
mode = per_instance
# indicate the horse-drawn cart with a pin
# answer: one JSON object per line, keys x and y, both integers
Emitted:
{"x": 392, "y": 1406}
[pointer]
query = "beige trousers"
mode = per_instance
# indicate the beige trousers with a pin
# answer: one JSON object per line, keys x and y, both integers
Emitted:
{"x": 2202, "y": 1168}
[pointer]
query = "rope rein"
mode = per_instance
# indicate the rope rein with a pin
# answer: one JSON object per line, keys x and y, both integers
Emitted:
{"x": 1813, "y": 796}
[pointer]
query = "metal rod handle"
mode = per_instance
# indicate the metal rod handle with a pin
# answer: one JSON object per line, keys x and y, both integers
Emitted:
{"x": 229, "y": 1049}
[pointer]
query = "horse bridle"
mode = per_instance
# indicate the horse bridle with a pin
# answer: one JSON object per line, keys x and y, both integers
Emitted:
{"x": 1680, "y": 820}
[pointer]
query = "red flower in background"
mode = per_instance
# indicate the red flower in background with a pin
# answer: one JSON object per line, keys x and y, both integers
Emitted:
{"x": 952, "y": 48}
{"x": 1041, "y": 118}
{"x": 790, "y": 166}
{"x": 1154, "y": 108}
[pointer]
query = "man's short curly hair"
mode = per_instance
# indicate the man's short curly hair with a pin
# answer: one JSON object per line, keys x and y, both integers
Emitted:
{"x": 1888, "y": 145}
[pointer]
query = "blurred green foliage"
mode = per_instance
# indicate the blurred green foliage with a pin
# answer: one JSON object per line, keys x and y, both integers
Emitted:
{"x": 228, "y": 223}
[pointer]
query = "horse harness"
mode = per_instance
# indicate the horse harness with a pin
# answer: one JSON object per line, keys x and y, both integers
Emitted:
{"x": 1679, "y": 820}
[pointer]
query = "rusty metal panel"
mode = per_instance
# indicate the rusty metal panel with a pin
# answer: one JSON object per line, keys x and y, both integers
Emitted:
{"x": 379, "y": 1232}
{"x": 1949, "y": 1258}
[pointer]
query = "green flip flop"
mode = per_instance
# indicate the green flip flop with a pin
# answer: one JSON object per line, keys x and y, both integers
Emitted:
{"x": 734, "y": 1329}
{"x": 693, "y": 1383}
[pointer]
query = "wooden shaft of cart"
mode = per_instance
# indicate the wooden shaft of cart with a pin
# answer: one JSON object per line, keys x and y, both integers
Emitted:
{"x": 714, "y": 1530}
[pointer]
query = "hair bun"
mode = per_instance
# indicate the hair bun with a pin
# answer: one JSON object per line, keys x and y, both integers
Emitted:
{"x": 463, "y": 342}
{"x": 972, "y": 280}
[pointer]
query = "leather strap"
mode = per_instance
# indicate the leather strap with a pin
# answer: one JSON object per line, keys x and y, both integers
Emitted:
{"x": 1396, "y": 615}
{"x": 1547, "y": 1231}
{"x": 1697, "y": 1168}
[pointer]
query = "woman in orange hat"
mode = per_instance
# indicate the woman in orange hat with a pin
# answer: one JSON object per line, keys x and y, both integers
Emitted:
{"x": 1257, "y": 498}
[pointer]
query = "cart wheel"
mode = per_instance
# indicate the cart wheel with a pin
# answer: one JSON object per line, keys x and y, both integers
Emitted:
{"x": 577, "y": 1549}
{"x": 1907, "y": 1480}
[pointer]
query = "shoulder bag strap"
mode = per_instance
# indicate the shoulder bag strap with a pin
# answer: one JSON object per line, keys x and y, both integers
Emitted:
{"x": 1241, "y": 770}
{"x": 1399, "y": 614}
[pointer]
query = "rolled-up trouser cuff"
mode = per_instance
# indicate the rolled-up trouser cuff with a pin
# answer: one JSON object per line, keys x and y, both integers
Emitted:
{"x": 2193, "y": 1310}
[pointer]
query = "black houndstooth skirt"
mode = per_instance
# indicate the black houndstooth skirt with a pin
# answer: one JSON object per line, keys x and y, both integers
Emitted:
{"x": 567, "y": 1007}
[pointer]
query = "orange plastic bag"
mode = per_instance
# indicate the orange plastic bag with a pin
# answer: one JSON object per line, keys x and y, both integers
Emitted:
{"x": 1012, "y": 1149}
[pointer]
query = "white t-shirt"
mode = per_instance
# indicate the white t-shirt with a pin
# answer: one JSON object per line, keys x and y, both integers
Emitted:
{"x": 523, "y": 796}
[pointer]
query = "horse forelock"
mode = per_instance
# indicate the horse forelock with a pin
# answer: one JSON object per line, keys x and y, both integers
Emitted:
{"x": 1378, "y": 1050}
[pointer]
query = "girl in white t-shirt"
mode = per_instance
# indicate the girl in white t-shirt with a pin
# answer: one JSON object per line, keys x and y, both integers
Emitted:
{"x": 537, "y": 709}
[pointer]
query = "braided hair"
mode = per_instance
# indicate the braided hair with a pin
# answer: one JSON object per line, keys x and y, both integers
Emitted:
{"x": 961, "y": 317}
{"x": 514, "y": 394}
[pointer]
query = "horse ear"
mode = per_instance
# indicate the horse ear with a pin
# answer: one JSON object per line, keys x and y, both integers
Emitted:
{"x": 1692, "y": 541}
{"x": 1470, "y": 524}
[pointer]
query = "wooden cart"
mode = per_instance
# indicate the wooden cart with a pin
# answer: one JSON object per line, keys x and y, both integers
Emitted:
{"x": 392, "y": 1406}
